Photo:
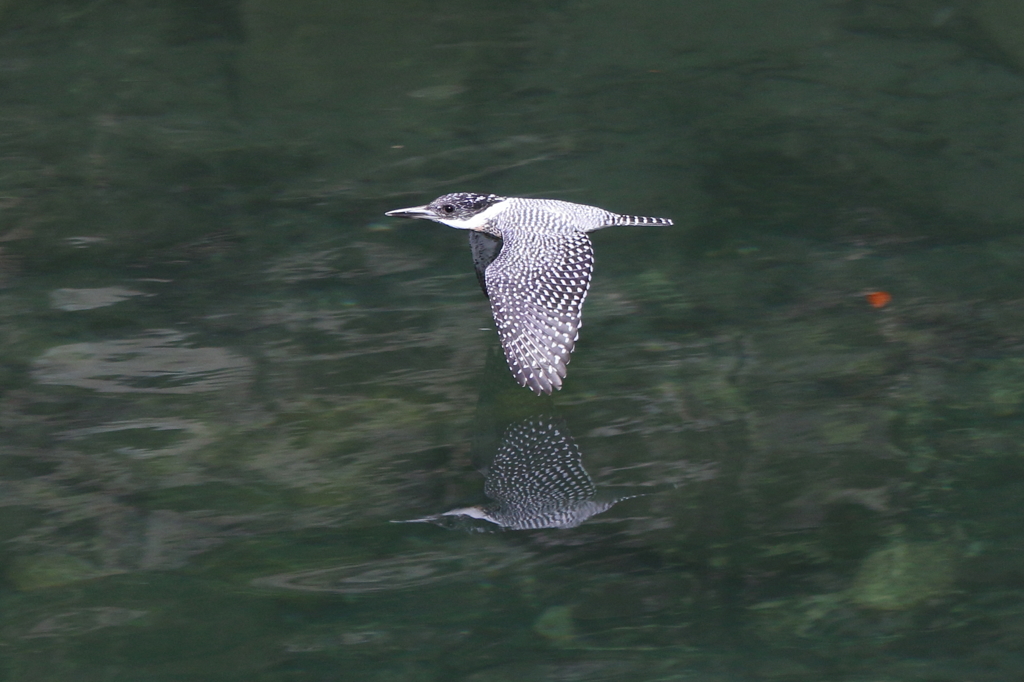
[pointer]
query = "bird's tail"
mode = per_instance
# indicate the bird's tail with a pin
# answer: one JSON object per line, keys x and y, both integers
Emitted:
{"x": 640, "y": 220}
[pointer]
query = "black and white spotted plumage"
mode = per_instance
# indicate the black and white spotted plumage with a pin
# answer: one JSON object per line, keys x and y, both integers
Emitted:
{"x": 537, "y": 286}
{"x": 534, "y": 261}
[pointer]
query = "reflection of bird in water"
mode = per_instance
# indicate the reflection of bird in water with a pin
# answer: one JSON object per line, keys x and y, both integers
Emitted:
{"x": 536, "y": 480}
{"x": 534, "y": 260}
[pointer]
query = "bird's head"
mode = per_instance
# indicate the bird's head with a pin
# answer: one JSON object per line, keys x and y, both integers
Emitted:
{"x": 461, "y": 210}
{"x": 474, "y": 519}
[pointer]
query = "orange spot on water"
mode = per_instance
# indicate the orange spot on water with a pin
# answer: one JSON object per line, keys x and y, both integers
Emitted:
{"x": 878, "y": 299}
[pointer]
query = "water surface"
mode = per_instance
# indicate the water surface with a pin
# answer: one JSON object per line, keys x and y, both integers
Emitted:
{"x": 225, "y": 374}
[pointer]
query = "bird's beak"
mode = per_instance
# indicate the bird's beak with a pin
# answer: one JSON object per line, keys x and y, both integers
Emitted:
{"x": 414, "y": 212}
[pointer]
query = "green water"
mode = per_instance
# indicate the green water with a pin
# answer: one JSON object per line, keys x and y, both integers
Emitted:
{"x": 224, "y": 373}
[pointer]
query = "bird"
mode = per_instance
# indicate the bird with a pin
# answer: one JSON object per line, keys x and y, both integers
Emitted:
{"x": 534, "y": 261}
{"x": 536, "y": 480}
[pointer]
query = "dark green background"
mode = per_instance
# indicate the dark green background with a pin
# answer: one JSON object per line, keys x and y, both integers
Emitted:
{"x": 223, "y": 371}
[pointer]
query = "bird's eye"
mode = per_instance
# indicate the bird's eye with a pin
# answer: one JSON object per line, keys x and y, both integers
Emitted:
{"x": 448, "y": 208}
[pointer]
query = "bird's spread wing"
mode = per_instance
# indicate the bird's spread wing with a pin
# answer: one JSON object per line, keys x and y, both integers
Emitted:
{"x": 485, "y": 249}
{"x": 536, "y": 287}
